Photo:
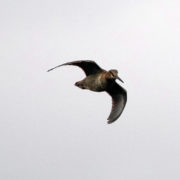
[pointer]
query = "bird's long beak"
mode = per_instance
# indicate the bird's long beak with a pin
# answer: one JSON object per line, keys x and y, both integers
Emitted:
{"x": 120, "y": 79}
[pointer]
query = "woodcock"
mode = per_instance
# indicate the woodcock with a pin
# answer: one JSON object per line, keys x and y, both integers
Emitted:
{"x": 99, "y": 80}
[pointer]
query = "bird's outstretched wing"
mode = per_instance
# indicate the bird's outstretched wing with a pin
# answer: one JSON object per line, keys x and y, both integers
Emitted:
{"x": 88, "y": 66}
{"x": 119, "y": 98}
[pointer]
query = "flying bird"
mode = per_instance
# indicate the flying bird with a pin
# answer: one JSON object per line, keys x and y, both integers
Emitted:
{"x": 99, "y": 80}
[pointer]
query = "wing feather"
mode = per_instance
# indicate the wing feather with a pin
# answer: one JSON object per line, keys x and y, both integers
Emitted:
{"x": 119, "y": 98}
{"x": 88, "y": 66}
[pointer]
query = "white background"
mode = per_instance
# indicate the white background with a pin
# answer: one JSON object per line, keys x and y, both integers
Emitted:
{"x": 50, "y": 129}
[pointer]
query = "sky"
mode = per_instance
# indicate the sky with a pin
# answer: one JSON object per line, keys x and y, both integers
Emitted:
{"x": 50, "y": 129}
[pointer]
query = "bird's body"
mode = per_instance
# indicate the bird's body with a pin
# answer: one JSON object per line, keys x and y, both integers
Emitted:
{"x": 95, "y": 82}
{"x": 99, "y": 80}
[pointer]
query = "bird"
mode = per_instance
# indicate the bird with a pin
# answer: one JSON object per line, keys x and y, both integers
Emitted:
{"x": 100, "y": 80}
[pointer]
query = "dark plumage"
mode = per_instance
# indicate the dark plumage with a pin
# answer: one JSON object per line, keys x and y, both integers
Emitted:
{"x": 99, "y": 80}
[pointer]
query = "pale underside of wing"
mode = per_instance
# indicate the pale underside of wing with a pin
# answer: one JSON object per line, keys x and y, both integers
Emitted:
{"x": 88, "y": 66}
{"x": 119, "y": 98}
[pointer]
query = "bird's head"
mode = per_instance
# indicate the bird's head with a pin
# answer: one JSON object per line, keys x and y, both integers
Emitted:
{"x": 114, "y": 75}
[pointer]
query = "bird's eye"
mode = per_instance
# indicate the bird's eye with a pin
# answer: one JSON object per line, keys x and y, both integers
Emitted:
{"x": 112, "y": 74}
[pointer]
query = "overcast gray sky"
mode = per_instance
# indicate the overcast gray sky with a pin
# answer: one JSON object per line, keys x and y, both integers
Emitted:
{"x": 50, "y": 129}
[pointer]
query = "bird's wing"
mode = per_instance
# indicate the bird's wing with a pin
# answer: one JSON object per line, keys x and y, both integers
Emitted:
{"x": 119, "y": 98}
{"x": 88, "y": 66}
